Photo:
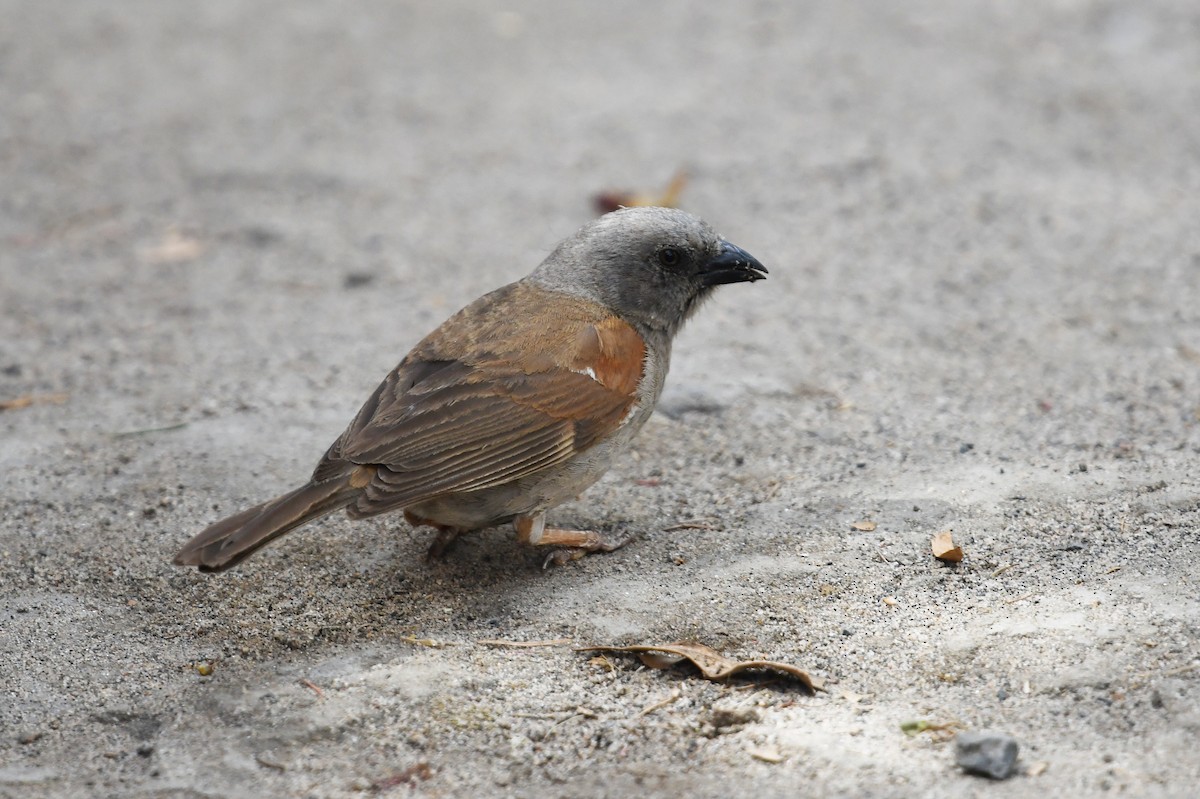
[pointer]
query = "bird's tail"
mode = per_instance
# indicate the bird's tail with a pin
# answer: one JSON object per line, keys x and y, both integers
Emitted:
{"x": 230, "y": 541}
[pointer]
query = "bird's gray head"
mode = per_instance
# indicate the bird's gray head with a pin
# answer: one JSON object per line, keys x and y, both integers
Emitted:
{"x": 652, "y": 266}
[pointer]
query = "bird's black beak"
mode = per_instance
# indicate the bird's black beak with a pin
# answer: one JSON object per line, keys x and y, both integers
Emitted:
{"x": 732, "y": 265}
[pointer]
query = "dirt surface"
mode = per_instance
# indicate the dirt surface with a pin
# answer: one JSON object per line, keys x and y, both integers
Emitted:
{"x": 222, "y": 223}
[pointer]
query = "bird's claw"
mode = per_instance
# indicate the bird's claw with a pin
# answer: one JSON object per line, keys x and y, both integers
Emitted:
{"x": 585, "y": 542}
{"x": 561, "y": 557}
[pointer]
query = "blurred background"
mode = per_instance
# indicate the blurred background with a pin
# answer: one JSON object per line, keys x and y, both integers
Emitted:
{"x": 920, "y": 173}
{"x": 918, "y": 177}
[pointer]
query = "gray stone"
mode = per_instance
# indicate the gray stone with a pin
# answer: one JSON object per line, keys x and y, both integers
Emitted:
{"x": 987, "y": 753}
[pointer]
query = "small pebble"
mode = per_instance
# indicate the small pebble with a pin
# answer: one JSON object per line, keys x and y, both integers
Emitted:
{"x": 354, "y": 280}
{"x": 987, "y": 753}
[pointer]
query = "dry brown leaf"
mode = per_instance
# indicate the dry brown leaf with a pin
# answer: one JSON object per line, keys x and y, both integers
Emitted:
{"x": 711, "y": 663}
{"x": 668, "y": 198}
{"x": 660, "y": 660}
{"x": 865, "y": 526}
{"x": 945, "y": 549}
{"x": 31, "y": 399}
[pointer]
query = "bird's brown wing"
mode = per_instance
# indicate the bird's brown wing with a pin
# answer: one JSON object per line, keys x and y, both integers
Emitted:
{"x": 461, "y": 415}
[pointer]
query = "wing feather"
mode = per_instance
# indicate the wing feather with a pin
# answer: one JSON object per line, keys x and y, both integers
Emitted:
{"x": 471, "y": 411}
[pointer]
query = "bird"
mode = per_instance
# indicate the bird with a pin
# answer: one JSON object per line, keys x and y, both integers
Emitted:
{"x": 518, "y": 402}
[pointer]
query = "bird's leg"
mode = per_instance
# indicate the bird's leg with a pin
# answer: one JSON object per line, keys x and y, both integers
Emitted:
{"x": 569, "y": 544}
{"x": 446, "y": 536}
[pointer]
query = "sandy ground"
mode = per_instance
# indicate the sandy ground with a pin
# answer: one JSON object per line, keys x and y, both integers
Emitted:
{"x": 221, "y": 224}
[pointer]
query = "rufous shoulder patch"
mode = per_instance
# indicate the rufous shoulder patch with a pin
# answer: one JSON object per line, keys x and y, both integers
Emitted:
{"x": 611, "y": 353}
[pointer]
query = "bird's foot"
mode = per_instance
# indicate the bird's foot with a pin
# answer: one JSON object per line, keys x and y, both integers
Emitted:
{"x": 568, "y": 545}
{"x": 574, "y": 544}
{"x": 442, "y": 545}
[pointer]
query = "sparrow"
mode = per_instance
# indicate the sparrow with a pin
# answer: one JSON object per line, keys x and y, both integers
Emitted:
{"x": 518, "y": 402}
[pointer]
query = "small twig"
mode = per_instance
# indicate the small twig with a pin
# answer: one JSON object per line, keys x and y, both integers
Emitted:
{"x": 1016, "y": 599}
{"x": 690, "y": 524}
{"x": 1002, "y": 570}
{"x": 555, "y": 717}
{"x": 659, "y": 705}
{"x": 523, "y": 644}
{"x": 1169, "y": 672}
{"x": 128, "y": 433}
{"x": 938, "y": 730}
{"x": 1181, "y": 670}
{"x": 432, "y": 643}
{"x": 316, "y": 689}
{"x": 579, "y": 712}
{"x": 31, "y": 399}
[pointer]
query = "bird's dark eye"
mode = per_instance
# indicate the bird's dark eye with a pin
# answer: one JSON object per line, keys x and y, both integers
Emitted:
{"x": 670, "y": 256}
